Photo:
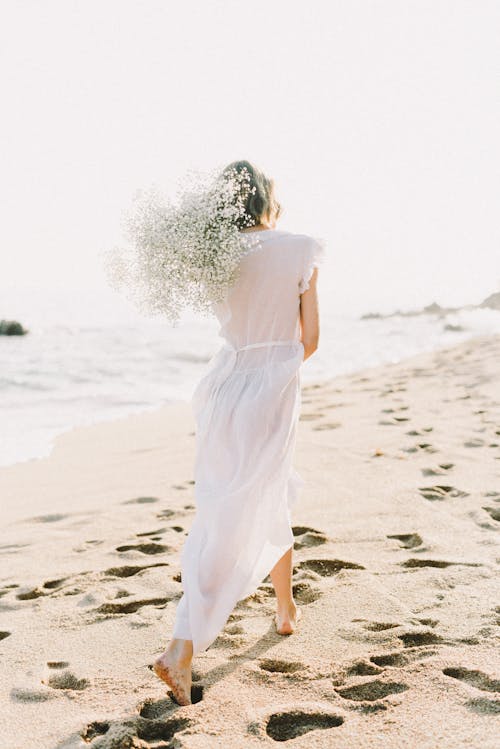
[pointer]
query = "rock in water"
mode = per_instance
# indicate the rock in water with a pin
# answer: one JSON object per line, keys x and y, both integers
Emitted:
{"x": 433, "y": 309}
{"x": 11, "y": 327}
{"x": 453, "y": 328}
{"x": 493, "y": 301}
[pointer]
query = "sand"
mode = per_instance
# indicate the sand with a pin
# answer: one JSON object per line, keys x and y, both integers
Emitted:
{"x": 396, "y": 547}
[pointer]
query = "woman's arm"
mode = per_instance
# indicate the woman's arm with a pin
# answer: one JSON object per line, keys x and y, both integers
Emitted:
{"x": 309, "y": 317}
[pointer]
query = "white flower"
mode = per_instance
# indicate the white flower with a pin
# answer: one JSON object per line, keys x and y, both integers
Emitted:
{"x": 186, "y": 253}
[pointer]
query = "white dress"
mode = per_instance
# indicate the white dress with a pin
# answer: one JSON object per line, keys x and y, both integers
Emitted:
{"x": 246, "y": 410}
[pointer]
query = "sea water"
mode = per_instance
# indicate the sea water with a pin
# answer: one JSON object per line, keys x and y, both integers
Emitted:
{"x": 89, "y": 357}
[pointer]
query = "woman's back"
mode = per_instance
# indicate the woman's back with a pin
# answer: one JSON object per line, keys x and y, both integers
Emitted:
{"x": 263, "y": 304}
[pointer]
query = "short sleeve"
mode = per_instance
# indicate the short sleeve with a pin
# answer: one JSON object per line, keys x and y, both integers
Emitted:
{"x": 314, "y": 255}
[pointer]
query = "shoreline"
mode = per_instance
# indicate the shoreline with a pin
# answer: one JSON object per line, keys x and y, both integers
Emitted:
{"x": 394, "y": 567}
{"x": 155, "y": 408}
{"x": 179, "y": 409}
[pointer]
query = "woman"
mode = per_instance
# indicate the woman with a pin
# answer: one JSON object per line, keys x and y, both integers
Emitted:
{"x": 246, "y": 410}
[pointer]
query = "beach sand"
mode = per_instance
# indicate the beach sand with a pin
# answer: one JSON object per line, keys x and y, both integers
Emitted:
{"x": 396, "y": 546}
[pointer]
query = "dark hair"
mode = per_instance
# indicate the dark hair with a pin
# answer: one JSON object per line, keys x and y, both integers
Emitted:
{"x": 259, "y": 197}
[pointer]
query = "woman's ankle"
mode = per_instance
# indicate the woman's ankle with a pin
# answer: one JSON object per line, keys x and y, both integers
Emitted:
{"x": 287, "y": 607}
{"x": 182, "y": 651}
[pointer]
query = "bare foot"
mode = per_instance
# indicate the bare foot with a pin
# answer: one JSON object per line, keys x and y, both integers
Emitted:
{"x": 286, "y": 621}
{"x": 176, "y": 675}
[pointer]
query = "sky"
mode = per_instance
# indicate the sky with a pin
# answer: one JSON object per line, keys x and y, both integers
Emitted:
{"x": 378, "y": 121}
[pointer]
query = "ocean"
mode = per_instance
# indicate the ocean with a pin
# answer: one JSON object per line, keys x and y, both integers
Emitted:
{"x": 89, "y": 357}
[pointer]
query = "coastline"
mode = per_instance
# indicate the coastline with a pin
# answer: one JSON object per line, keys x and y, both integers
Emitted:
{"x": 317, "y": 370}
{"x": 395, "y": 566}
{"x": 72, "y": 389}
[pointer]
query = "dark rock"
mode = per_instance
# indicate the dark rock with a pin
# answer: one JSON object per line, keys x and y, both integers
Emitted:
{"x": 433, "y": 308}
{"x": 11, "y": 327}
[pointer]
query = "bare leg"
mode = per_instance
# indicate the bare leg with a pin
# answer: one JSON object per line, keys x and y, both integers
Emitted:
{"x": 288, "y": 613}
{"x": 174, "y": 668}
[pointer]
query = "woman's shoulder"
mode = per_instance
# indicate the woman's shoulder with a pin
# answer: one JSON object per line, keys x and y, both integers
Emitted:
{"x": 306, "y": 244}
{"x": 303, "y": 246}
{"x": 284, "y": 235}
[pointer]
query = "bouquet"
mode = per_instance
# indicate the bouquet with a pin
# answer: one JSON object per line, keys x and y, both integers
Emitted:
{"x": 183, "y": 253}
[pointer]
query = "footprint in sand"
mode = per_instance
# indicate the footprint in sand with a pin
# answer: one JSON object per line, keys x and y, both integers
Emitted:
{"x": 284, "y": 726}
{"x": 440, "y": 470}
{"x": 54, "y": 584}
{"x": 474, "y": 442}
{"x": 93, "y": 730}
{"x": 370, "y": 691}
{"x": 155, "y": 709}
{"x": 131, "y": 570}
{"x": 393, "y": 422}
{"x": 7, "y": 589}
{"x": 475, "y": 679}
{"x": 327, "y": 567}
{"x": 408, "y": 540}
{"x": 363, "y": 668}
{"x": 419, "y": 639}
{"x": 425, "y": 446}
{"x": 141, "y": 501}
{"x": 380, "y": 626}
{"x": 276, "y": 666}
{"x": 60, "y": 677}
{"x": 304, "y": 593}
{"x": 493, "y": 512}
{"x": 327, "y": 425}
{"x": 440, "y": 491}
{"x": 307, "y": 537}
{"x": 51, "y": 518}
{"x": 428, "y": 622}
{"x": 225, "y": 640}
{"x": 400, "y": 659}
{"x": 184, "y": 485}
{"x": 310, "y": 416}
{"x": 151, "y": 548}
{"x": 32, "y": 694}
{"x": 167, "y": 513}
{"x": 157, "y": 532}
{"x": 50, "y": 587}
{"x": 484, "y": 706}
{"x": 29, "y": 594}
{"x": 130, "y": 607}
{"x": 415, "y": 563}
{"x": 134, "y": 732}
{"x": 390, "y": 390}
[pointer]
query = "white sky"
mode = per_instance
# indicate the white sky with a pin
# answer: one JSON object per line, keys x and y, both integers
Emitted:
{"x": 378, "y": 120}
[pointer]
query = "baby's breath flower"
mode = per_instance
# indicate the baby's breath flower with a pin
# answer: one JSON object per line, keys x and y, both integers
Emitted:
{"x": 186, "y": 253}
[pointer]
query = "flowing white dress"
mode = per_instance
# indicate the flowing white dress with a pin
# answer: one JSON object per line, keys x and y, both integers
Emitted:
{"x": 246, "y": 410}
